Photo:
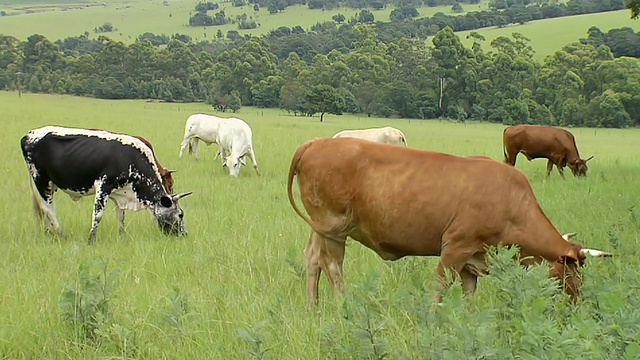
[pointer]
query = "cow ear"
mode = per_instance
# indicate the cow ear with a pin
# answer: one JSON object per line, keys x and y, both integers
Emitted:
{"x": 242, "y": 161}
{"x": 166, "y": 201}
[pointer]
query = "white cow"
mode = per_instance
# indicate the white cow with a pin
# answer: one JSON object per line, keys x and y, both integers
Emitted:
{"x": 384, "y": 135}
{"x": 201, "y": 127}
{"x": 235, "y": 135}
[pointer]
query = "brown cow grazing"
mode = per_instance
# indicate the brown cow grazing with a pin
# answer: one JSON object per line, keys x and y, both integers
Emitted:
{"x": 535, "y": 141}
{"x": 400, "y": 201}
{"x": 165, "y": 174}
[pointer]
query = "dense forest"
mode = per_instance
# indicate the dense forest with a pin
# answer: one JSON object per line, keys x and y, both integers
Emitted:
{"x": 371, "y": 68}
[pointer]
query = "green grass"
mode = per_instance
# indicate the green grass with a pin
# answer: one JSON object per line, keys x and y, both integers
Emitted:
{"x": 134, "y": 18}
{"x": 235, "y": 267}
{"x": 550, "y": 35}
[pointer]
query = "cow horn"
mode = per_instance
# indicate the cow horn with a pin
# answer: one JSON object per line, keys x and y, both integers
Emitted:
{"x": 595, "y": 253}
{"x": 170, "y": 171}
{"x": 181, "y": 195}
{"x": 568, "y": 236}
{"x": 589, "y": 158}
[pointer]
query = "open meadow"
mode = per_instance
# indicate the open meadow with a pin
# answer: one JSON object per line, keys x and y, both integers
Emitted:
{"x": 133, "y": 18}
{"x": 59, "y": 20}
{"x": 235, "y": 288}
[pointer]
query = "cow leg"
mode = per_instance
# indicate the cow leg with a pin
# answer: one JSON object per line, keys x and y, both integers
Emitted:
{"x": 561, "y": 171}
{"x": 42, "y": 192}
{"x": 222, "y": 153}
{"x": 469, "y": 281}
{"x": 312, "y": 258}
{"x": 183, "y": 146}
{"x": 98, "y": 209}
{"x": 194, "y": 146}
{"x": 120, "y": 216}
{"x": 323, "y": 254}
{"x": 454, "y": 259}
{"x": 511, "y": 157}
{"x": 253, "y": 160}
{"x": 550, "y": 167}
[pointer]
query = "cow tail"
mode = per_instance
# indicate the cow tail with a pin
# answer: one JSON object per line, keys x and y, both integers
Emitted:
{"x": 293, "y": 171}
{"x": 37, "y": 206}
{"x": 504, "y": 145}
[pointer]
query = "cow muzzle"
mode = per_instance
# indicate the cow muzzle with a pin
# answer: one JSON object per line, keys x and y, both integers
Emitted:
{"x": 175, "y": 229}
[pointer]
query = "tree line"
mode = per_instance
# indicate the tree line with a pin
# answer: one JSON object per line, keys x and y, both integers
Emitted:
{"x": 333, "y": 68}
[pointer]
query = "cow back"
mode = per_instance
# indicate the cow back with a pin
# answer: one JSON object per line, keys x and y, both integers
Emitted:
{"x": 400, "y": 201}
{"x": 75, "y": 158}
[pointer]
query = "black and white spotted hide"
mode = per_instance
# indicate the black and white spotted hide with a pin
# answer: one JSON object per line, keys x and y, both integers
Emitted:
{"x": 112, "y": 166}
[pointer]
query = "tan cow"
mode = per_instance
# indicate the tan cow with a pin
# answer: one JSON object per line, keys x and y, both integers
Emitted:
{"x": 400, "y": 201}
{"x": 384, "y": 135}
{"x": 535, "y": 141}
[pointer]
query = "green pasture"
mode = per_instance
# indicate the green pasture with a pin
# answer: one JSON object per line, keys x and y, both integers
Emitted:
{"x": 550, "y": 35}
{"x": 234, "y": 288}
{"x": 133, "y": 18}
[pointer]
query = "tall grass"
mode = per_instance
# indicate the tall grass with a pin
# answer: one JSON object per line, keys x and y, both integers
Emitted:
{"x": 235, "y": 286}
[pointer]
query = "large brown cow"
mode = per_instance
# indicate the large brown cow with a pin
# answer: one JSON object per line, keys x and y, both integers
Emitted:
{"x": 556, "y": 145}
{"x": 399, "y": 201}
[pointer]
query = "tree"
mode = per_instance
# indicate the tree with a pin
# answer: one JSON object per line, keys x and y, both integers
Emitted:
{"x": 448, "y": 52}
{"x": 324, "y": 99}
{"x": 365, "y": 17}
{"x": 339, "y": 18}
{"x": 634, "y": 6}
{"x": 607, "y": 111}
{"x": 273, "y": 8}
{"x": 201, "y": 19}
{"x": 266, "y": 93}
{"x": 457, "y": 8}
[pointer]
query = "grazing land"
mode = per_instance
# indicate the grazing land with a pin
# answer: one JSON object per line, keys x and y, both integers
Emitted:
{"x": 133, "y": 18}
{"x": 550, "y": 35}
{"x": 235, "y": 286}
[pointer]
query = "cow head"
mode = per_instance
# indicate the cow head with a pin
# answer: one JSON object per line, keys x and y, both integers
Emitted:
{"x": 579, "y": 166}
{"x": 567, "y": 267}
{"x": 170, "y": 215}
{"x": 234, "y": 164}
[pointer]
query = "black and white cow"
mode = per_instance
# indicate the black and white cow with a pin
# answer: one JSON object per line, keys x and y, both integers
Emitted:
{"x": 112, "y": 166}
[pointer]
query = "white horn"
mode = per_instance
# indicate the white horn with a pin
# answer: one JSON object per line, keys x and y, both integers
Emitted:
{"x": 568, "y": 236}
{"x": 170, "y": 171}
{"x": 595, "y": 253}
{"x": 181, "y": 195}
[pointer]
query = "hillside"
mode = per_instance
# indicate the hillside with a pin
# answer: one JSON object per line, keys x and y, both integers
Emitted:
{"x": 133, "y": 18}
{"x": 550, "y": 35}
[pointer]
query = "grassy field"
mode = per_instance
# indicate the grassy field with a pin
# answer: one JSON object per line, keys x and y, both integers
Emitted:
{"x": 234, "y": 288}
{"x": 159, "y": 19}
{"x": 550, "y": 35}
{"x": 45, "y": 17}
